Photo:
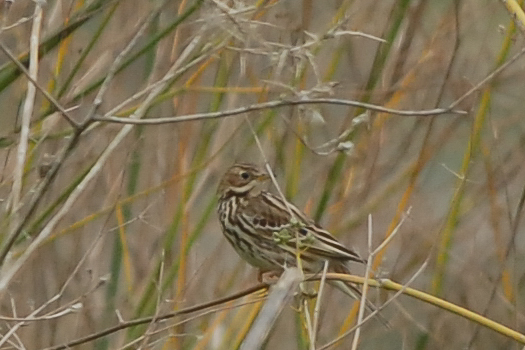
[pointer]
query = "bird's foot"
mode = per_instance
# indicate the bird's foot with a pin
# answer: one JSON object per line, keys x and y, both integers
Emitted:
{"x": 268, "y": 277}
{"x": 307, "y": 291}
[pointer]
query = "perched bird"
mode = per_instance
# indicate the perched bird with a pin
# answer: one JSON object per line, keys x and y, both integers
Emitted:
{"x": 271, "y": 234}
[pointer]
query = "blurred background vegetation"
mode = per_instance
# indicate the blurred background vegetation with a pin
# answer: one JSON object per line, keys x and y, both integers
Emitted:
{"x": 104, "y": 223}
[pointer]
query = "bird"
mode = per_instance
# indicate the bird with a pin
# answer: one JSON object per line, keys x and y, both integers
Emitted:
{"x": 271, "y": 233}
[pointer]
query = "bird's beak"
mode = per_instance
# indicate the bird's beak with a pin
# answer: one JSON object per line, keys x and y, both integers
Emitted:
{"x": 263, "y": 177}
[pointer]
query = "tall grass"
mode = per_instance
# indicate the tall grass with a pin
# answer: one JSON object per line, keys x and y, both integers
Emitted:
{"x": 108, "y": 232}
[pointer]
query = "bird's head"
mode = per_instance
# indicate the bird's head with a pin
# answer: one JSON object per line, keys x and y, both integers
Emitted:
{"x": 241, "y": 179}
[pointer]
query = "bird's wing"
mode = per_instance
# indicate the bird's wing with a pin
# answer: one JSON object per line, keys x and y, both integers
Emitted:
{"x": 321, "y": 242}
{"x": 271, "y": 216}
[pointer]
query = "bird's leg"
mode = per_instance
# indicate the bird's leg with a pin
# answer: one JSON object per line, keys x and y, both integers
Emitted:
{"x": 268, "y": 276}
{"x": 260, "y": 274}
{"x": 305, "y": 294}
{"x": 307, "y": 291}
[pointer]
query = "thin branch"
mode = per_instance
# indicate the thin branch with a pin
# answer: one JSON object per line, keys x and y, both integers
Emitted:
{"x": 116, "y": 63}
{"x": 95, "y": 169}
{"x": 293, "y": 219}
{"x": 308, "y": 321}
{"x": 510, "y": 245}
{"x": 488, "y": 78}
{"x": 149, "y": 331}
{"x": 268, "y": 168}
{"x": 26, "y": 115}
{"x": 279, "y": 104}
{"x": 332, "y": 101}
{"x": 400, "y": 291}
{"x": 362, "y": 305}
{"x": 31, "y": 318}
{"x": 429, "y": 299}
{"x": 383, "y": 283}
{"x": 516, "y": 13}
{"x": 279, "y": 295}
{"x": 147, "y": 320}
{"x": 188, "y": 319}
{"x": 387, "y": 240}
{"x": 47, "y": 95}
{"x": 38, "y": 195}
{"x": 317, "y": 309}
{"x": 6, "y": 336}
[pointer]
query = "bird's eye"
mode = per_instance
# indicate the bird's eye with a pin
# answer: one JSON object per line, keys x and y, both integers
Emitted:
{"x": 245, "y": 175}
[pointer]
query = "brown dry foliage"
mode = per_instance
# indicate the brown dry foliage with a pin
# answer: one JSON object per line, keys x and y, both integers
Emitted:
{"x": 142, "y": 237}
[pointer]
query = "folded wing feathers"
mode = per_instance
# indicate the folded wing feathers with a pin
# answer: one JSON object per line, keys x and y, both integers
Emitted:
{"x": 324, "y": 243}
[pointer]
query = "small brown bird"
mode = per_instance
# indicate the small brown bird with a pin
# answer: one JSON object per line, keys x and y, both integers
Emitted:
{"x": 268, "y": 233}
